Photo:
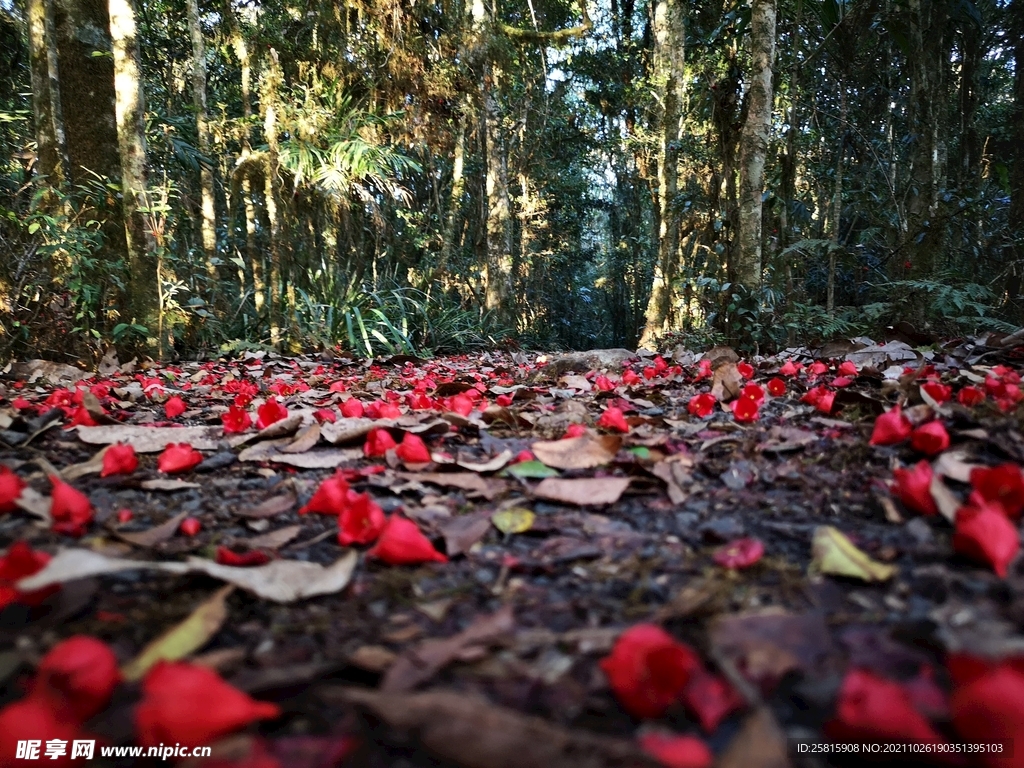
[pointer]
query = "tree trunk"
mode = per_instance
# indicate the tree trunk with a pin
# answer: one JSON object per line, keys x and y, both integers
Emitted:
{"x": 50, "y": 145}
{"x": 87, "y": 89}
{"x": 668, "y": 68}
{"x": 272, "y": 80}
{"x": 1017, "y": 177}
{"x": 754, "y": 142}
{"x": 144, "y": 291}
{"x": 837, "y": 204}
{"x": 208, "y": 221}
{"x": 499, "y": 219}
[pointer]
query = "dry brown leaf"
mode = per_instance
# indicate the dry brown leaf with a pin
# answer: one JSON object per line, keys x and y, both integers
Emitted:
{"x": 33, "y": 502}
{"x": 675, "y": 472}
{"x": 167, "y": 484}
{"x": 944, "y": 498}
{"x": 305, "y": 440}
{"x": 273, "y": 539}
{"x": 759, "y": 744}
{"x": 954, "y": 465}
{"x": 419, "y": 664}
{"x": 152, "y": 439}
{"x": 491, "y": 465}
{"x": 470, "y": 731}
{"x": 582, "y": 491}
{"x": 461, "y": 533}
{"x": 154, "y": 535}
{"x": 347, "y": 430}
{"x": 470, "y": 482}
{"x": 271, "y": 507}
{"x": 282, "y": 581}
{"x": 271, "y": 450}
{"x": 92, "y": 405}
{"x": 583, "y": 452}
{"x": 726, "y": 383}
{"x": 91, "y": 467}
{"x": 375, "y": 658}
{"x": 283, "y": 428}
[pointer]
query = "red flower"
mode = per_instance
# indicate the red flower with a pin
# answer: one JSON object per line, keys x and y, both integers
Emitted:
{"x": 650, "y": 372}
{"x": 125, "y": 516}
{"x": 378, "y": 442}
{"x": 235, "y": 420}
{"x": 776, "y": 387}
{"x": 361, "y": 522}
{"x": 81, "y": 417}
{"x": 930, "y": 438}
{"x": 824, "y": 403}
{"x": 741, "y": 553}
{"x": 847, "y": 369}
{"x": 352, "y": 408}
{"x": 701, "y": 405}
{"x": 648, "y": 670}
{"x": 402, "y": 543}
{"x": 890, "y": 428}
{"x": 190, "y": 526}
{"x": 19, "y": 563}
{"x": 325, "y": 414}
{"x": 613, "y": 419}
{"x": 711, "y": 699}
{"x": 817, "y": 368}
{"x": 970, "y": 397}
{"x": 81, "y": 672}
{"x": 755, "y": 392}
{"x": 630, "y": 378}
{"x": 503, "y": 400}
{"x": 413, "y": 450}
{"x": 871, "y": 708}
{"x": 841, "y": 381}
{"x": 940, "y": 393}
{"x": 814, "y": 395}
{"x": 174, "y": 407}
{"x": 677, "y": 751}
{"x": 984, "y": 532}
{"x": 391, "y": 411}
{"x": 990, "y": 709}
{"x": 461, "y": 404}
{"x": 744, "y": 409}
{"x": 178, "y": 457}
{"x": 913, "y": 487}
{"x": 34, "y": 719}
{"x": 269, "y": 413}
{"x": 331, "y": 498}
{"x": 789, "y": 369}
{"x": 11, "y": 487}
{"x": 1004, "y": 483}
{"x": 254, "y": 557}
{"x": 746, "y": 370}
{"x": 71, "y": 509}
{"x": 603, "y": 384}
{"x": 191, "y": 704}
{"x": 703, "y": 370}
{"x": 120, "y": 459}
{"x": 574, "y": 430}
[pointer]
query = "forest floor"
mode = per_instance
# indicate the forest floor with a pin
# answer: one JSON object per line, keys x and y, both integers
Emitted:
{"x": 845, "y": 629}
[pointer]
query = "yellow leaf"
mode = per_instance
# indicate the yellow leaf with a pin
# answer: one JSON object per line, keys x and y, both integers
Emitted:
{"x": 514, "y": 520}
{"x": 181, "y": 640}
{"x": 835, "y": 554}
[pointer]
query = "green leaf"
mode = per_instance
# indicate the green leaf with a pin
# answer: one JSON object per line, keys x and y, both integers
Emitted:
{"x": 533, "y": 470}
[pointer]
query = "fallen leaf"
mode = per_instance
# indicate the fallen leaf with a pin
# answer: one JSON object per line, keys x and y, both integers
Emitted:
{"x": 470, "y": 731}
{"x": 954, "y": 465}
{"x": 273, "y": 539}
{"x": 465, "y": 481}
{"x": 582, "y": 491}
{"x": 532, "y": 470}
{"x": 727, "y": 382}
{"x": 275, "y": 505}
{"x": 759, "y": 744}
{"x": 944, "y": 499}
{"x": 836, "y": 555}
{"x": 154, "y": 535}
{"x": 513, "y": 520}
{"x": 183, "y": 639}
{"x": 271, "y": 450}
{"x": 583, "y": 452}
{"x": 461, "y": 533}
{"x": 91, "y": 467}
{"x": 169, "y": 484}
{"x": 675, "y": 472}
{"x": 282, "y": 581}
{"x": 33, "y": 502}
{"x": 152, "y": 439}
{"x": 419, "y": 664}
{"x": 375, "y": 658}
{"x": 305, "y": 440}
{"x": 491, "y": 465}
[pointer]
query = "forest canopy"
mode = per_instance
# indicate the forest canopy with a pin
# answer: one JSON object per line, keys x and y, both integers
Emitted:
{"x": 394, "y": 176}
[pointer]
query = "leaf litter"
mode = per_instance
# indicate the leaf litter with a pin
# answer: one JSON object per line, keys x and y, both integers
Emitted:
{"x": 836, "y": 524}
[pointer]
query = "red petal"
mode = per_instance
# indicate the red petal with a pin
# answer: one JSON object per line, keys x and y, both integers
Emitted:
{"x": 174, "y": 407}
{"x": 71, "y": 509}
{"x": 11, "y": 487}
{"x": 871, "y": 708}
{"x": 19, "y": 562}
{"x": 741, "y": 553}
{"x": 983, "y": 532}
{"x": 1003, "y": 483}
{"x": 677, "y": 751}
{"x": 402, "y": 543}
{"x": 378, "y": 442}
{"x": 413, "y": 450}
{"x": 82, "y": 672}
{"x": 614, "y": 419}
{"x": 253, "y": 557}
{"x": 190, "y": 526}
{"x": 119, "y": 459}
{"x": 648, "y": 670}
{"x": 269, "y": 413}
{"x": 930, "y": 438}
{"x": 178, "y": 457}
{"x": 746, "y": 370}
{"x": 990, "y": 710}
{"x": 890, "y": 428}
{"x": 192, "y": 705}
{"x": 361, "y": 522}
{"x": 913, "y": 487}
{"x": 711, "y": 699}
{"x": 331, "y": 498}
{"x": 352, "y": 408}
{"x": 35, "y": 719}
